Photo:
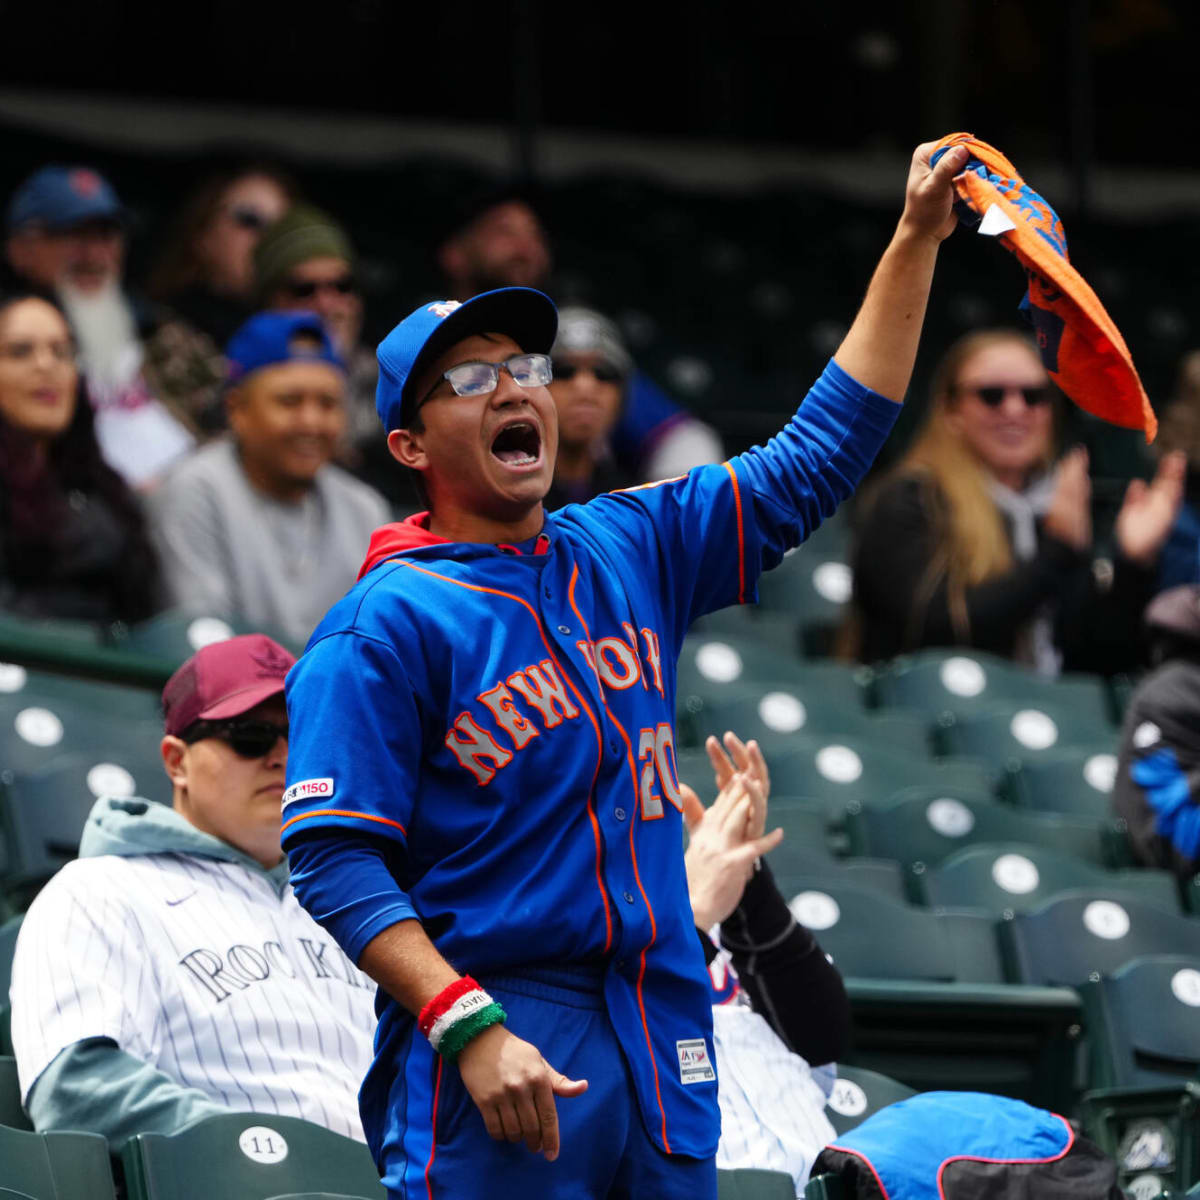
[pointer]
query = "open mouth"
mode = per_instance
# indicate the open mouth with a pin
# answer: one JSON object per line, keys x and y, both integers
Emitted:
{"x": 518, "y": 445}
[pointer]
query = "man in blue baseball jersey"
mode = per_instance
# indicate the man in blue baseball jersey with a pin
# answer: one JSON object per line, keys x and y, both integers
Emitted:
{"x": 482, "y": 805}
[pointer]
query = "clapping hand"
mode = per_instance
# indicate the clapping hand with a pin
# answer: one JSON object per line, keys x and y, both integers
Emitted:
{"x": 1150, "y": 509}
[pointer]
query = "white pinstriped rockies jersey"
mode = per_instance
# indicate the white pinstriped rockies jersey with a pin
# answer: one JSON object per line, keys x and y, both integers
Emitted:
{"x": 772, "y": 1107}
{"x": 202, "y": 969}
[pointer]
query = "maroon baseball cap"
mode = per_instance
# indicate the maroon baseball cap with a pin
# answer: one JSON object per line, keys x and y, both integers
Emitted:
{"x": 225, "y": 679}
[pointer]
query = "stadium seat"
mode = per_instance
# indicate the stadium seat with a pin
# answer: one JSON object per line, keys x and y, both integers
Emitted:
{"x": 857, "y": 1094}
{"x": 839, "y": 770}
{"x": 8, "y": 947}
{"x": 33, "y": 735}
{"x": 172, "y": 637}
{"x": 813, "y": 584}
{"x": 747, "y": 1183}
{"x": 804, "y": 830}
{"x": 775, "y": 713}
{"x": 12, "y": 1115}
{"x": 871, "y": 936}
{"x": 967, "y": 681}
{"x": 109, "y": 699}
{"x": 1143, "y": 1023}
{"x": 1011, "y": 734}
{"x": 825, "y": 1187}
{"x": 797, "y": 872}
{"x": 42, "y": 814}
{"x": 243, "y": 1156}
{"x": 1017, "y": 877}
{"x": 1070, "y": 780}
{"x": 1076, "y": 937}
{"x": 925, "y": 825}
{"x": 54, "y": 1166}
{"x": 709, "y": 665}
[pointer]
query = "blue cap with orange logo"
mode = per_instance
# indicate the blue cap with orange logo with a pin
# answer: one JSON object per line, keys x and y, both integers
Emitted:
{"x": 62, "y": 197}
{"x": 523, "y": 314}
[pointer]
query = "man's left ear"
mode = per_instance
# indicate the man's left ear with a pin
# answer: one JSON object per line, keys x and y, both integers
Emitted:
{"x": 408, "y": 449}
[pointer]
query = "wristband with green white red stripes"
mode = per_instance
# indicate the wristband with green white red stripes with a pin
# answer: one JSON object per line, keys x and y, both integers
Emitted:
{"x": 457, "y": 1014}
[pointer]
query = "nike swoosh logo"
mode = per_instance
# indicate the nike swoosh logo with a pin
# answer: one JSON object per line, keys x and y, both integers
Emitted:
{"x": 172, "y": 903}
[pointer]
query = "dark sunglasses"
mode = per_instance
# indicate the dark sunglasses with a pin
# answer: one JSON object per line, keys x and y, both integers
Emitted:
{"x": 247, "y": 739}
{"x": 306, "y": 289}
{"x": 993, "y": 395}
{"x": 249, "y": 218}
{"x": 602, "y": 372}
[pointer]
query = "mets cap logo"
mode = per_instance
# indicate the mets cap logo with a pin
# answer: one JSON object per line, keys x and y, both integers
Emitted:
{"x": 84, "y": 182}
{"x": 443, "y": 308}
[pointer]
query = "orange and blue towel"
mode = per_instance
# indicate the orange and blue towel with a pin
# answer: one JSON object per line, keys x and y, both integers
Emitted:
{"x": 1080, "y": 346}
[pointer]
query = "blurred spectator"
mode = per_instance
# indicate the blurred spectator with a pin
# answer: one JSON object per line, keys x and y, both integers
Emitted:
{"x": 261, "y": 524}
{"x": 305, "y": 262}
{"x": 205, "y": 279}
{"x": 1180, "y": 431}
{"x": 779, "y": 1005}
{"x": 1157, "y": 789}
{"x": 169, "y": 974}
{"x": 66, "y": 238}
{"x": 73, "y": 543}
{"x": 591, "y": 372}
{"x": 976, "y": 539}
{"x": 499, "y": 241}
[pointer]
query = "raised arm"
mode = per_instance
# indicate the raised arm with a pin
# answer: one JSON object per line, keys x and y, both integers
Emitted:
{"x": 881, "y": 347}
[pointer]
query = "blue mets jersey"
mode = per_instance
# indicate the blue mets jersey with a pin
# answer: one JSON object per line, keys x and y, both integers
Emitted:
{"x": 506, "y": 721}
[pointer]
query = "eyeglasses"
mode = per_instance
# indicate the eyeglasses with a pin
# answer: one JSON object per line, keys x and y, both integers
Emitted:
{"x": 993, "y": 394}
{"x": 481, "y": 378}
{"x": 306, "y": 289}
{"x": 247, "y": 739}
{"x": 601, "y": 372}
{"x": 249, "y": 218}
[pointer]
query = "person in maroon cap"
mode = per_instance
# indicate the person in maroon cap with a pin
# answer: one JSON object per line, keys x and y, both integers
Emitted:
{"x": 169, "y": 974}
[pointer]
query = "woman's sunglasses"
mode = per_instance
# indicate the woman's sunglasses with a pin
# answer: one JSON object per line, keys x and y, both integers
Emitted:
{"x": 602, "y": 372}
{"x": 247, "y": 739}
{"x": 306, "y": 289}
{"x": 993, "y": 395}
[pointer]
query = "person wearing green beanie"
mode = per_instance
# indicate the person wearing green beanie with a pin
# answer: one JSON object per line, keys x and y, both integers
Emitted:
{"x": 306, "y": 261}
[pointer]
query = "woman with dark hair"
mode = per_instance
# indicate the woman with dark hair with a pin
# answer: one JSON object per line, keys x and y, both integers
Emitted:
{"x": 978, "y": 538}
{"x": 73, "y": 542}
{"x": 204, "y": 278}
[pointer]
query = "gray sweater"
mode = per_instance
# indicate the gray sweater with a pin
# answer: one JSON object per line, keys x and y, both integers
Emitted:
{"x": 229, "y": 550}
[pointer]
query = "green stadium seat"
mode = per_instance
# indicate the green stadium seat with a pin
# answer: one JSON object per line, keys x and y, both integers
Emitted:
{"x": 1143, "y": 1023}
{"x": 748, "y": 1183}
{"x": 925, "y": 825}
{"x": 1070, "y": 780}
{"x": 12, "y": 1115}
{"x": 8, "y": 947}
{"x": 106, "y": 699}
{"x": 244, "y": 1156}
{"x": 825, "y": 1187}
{"x": 858, "y": 1093}
{"x": 839, "y": 770}
{"x": 774, "y": 713}
{"x": 1076, "y": 937}
{"x": 967, "y": 681}
{"x": 798, "y": 873}
{"x": 54, "y": 1166}
{"x": 172, "y": 637}
{"x": 34, "y": 735}
{"x": 1009, "y": 735}
{"x": 871, "y": 936}
{"x": 1009, "y": 877}
{"x": 805, "y": 831}
{"x": 42, "y": 814}
{"x": 813, "y": 584}
{"x": 709, "y": 665}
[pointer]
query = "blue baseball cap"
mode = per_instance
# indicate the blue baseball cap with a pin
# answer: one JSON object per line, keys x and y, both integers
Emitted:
{"x": 523, "y": 314}
{"x": 271, "y": 338}
{"x": 61, "y": 197}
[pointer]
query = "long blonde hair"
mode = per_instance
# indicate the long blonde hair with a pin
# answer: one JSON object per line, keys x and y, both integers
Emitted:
{"x": 972, "y": 540}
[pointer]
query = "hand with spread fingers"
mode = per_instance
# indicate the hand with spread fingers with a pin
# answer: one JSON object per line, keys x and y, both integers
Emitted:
{"x": 724, "y": 841}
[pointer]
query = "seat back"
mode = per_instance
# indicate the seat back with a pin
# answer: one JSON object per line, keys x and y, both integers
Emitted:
{"x": 925, "y": 825}
{"x": 858, "y": 1093}
{"x": 871, "y": 936}
{"x": 1071, "y": 780}
{"x": 47, "y": 689}
{"x": 1021, "y": 731}
{"x": 797, "y": 872}
{"x": 1077, "y": 936}
{"x": 54, "y": 1166}
{"x": 749, "y": 1183}
{"x": 242, "y": 1156}
{"x": 1016, "y": 877}
{"x": 1143, "y": 1022}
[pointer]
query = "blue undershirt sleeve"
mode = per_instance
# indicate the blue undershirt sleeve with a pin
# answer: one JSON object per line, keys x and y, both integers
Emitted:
{"x": 342, "y": 878}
